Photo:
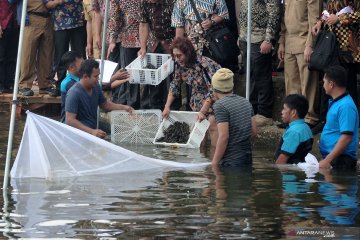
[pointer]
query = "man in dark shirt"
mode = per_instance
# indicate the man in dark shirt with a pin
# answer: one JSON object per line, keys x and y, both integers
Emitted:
{"x": 84, "y": 97}
{"x": 155, "y": 16}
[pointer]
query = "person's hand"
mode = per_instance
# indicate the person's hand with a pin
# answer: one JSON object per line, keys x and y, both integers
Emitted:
{"x": 206, "y": 24}
{"x": 99, "y": 133}
{"x": 281, "y": 51}
{"x": 89, "y": 50}
{"x": 307, "y": 53}
{"x": 200, "y": 116}
{"x": 129, "y": 109}
{"x": 316, "y": 28}
{"x": 110, "y": 49}
{"x": 1, "y": 32}
{"x": 324, "y": 163}
{"x": 142, "y": 52}
{"x": 97, "y": 40}
{"x": 166, "y": 112}
{"x": 121, "y": 74}
{"x": 265, "y": 47}
{"x": 332, "y": 19}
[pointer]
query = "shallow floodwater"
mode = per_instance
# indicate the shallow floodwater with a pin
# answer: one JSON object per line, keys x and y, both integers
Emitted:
{"x": 264, "y": 202}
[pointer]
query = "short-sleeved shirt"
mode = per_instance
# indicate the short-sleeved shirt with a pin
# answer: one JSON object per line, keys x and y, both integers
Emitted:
{"x": 184, "y": 16}
{"x": 237, "y": 112}
{"x": 66, "y": 84}
{"x": 78, "y": 101}
{"x": 342, "y": 118}
{"x": 68, "y": 15}
{"x": 158, "y": 15}
{"x": 124, "y": 22}
{"x": 195, "y": 77}
{"x": 296, "y": 142}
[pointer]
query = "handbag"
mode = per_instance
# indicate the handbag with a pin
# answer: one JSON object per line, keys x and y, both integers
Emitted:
{"x": 325, "y": 53}
{"x": 222, "y": 44}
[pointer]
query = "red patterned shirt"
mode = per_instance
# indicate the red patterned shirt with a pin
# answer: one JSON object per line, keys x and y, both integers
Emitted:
{"x": 7, "y": 13}
{"x": 124, "y": 21}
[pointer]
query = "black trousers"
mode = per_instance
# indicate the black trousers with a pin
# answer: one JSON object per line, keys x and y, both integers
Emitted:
{"x": 8, "y": 54}
{"x": 76, "y": 37}
{"x": 127, "y": 93}
{"x": 261, "y": 85}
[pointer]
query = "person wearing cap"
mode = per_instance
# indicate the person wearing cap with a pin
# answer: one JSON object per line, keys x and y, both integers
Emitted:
{"x": 235, "y": 123}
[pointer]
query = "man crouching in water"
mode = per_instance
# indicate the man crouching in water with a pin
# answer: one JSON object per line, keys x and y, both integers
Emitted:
{"x": 297, "y": 140}
{"x": 234, "y": 120}
{"x": 84, "y": 97}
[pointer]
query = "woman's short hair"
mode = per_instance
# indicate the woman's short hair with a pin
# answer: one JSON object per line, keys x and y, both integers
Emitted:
{"x": 186, "y": 47}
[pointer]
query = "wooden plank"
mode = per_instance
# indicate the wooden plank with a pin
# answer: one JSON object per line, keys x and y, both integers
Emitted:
{"x": 38, "y": 99}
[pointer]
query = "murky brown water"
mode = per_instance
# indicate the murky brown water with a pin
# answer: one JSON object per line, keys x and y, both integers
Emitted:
{"x": 260, "y": 203}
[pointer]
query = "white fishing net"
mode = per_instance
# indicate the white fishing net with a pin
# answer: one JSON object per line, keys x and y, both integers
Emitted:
{"x": 50, "y": 149}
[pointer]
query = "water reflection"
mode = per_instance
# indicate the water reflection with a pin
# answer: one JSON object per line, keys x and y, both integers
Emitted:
{"x": 340, "y": 191}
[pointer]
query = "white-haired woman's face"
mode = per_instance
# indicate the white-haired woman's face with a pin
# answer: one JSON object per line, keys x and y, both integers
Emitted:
{"x": 179, "y": 57}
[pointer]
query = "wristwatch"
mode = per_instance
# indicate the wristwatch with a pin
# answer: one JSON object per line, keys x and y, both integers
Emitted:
{"x": 213, "y": 22}
{"x": 268, "y": 40}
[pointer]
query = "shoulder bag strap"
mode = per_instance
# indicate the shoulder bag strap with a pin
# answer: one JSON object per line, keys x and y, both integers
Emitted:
{"x": 192, "y": 3}
{"x": 206, "y": 73}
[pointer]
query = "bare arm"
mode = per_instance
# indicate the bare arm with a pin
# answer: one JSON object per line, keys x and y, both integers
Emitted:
{"x": 89, "y": 39}
{"x": 282, "y": 159}
{"x": 222, "y": 142}
{"x": 54, "y": 3}
{"x": 339, "y": 148}
{"x": 98, "y": 24}
{"x": 143, "y": 35}
{"x": 72, "y": 121}
{"x": 109, "y": 106}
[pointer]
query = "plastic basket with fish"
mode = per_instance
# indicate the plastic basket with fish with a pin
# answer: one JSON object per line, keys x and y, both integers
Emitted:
{"x": 197, "y": 130}
{"x": 151, "y": 69}
{"x": 139, "y": 128}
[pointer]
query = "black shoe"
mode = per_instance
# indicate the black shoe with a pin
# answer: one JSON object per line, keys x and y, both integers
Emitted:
{"x": 53, "y": 92}
{"x": 282, "y": 125}
{"x": 27, "y": 92}
{"x": 49, "y": 90}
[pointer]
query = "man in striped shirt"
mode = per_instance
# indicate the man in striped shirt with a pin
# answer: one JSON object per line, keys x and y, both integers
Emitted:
{"x": 235, "y": 124}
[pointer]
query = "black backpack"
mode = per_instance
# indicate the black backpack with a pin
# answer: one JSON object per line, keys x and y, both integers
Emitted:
{"x": 326, "y": 52}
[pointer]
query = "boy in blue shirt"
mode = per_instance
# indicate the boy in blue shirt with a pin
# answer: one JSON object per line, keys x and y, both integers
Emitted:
{"x": 297, "y": 140}
{"x": 71, "y": 60}
{"x": 339, "y": 138}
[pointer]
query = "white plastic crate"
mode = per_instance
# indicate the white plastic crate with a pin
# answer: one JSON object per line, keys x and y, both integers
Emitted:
{"x": 163, "y": 63}
{"x": 139, "y": 128}
{"x": 197, "y": 129}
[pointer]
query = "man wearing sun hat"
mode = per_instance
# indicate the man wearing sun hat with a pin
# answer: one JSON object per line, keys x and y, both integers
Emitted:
{"x": 234, "y": 120}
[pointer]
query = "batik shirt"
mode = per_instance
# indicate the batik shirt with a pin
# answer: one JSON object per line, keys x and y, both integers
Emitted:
{"x": 68, "y": 15}
{"x": 158, "y": 16}
{"x": 347, "y": 31}
{"x": 124, "y": 20}
{"x": 98, "y": 6}
{"x": 195, "y": 77}
{"x": 184, "y": 16}
{"x": 265, "y": 17}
